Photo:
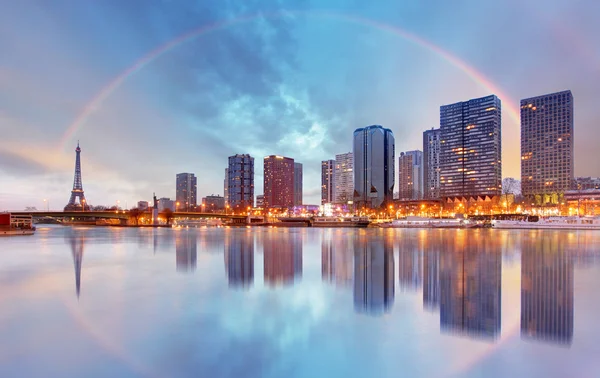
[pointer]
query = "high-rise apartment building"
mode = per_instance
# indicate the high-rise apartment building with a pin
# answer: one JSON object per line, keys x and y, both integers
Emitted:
{"x": 343, "y": 178}
{"x": 185, "y": 191}
{"x": 471, "y": 149}
{"x": 240, "y": 186}
{"x": 547, "y": 143}
{"x": 297, "y": 184}
{"x": 410, "y": 175}
{"x": 226, "y": 186}
{"x": 431, "y": 163}
{"x": 373, "y": 166}
{"x": 327, "y": 181}
{"x": 278, "y": 181}
{"x": 260, "y": 201}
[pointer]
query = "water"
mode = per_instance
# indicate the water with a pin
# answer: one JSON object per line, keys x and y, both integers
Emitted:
{"x": 98, "y": 302}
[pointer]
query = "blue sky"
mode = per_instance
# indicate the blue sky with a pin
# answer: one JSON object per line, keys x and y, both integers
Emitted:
{"x": 277, "y": 77}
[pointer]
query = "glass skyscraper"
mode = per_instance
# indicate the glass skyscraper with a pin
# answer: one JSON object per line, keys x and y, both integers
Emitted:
{"x": 471, "y": 149}
{"x": 547, "y": 164}
{"x": 373, "y": 166}
{"x": 240, "y": 182}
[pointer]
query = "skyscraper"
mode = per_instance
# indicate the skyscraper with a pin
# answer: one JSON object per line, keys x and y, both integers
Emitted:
{"x": 297, "y": 184}
{"x": 240, "y": 186}
{"x": 431, "y": 163}
{"x": 471, "y": 150}
{"x": 226, "y": 186}
{"x": 278, "y": 181}
{"x": 185, "y": 191}
{"x": 410, "y": 175}
{"x": 373, "y": 166}
{"x": 547, "y": 161}
{"x": 327, "y": 181}
{"x": 343, "y": 178}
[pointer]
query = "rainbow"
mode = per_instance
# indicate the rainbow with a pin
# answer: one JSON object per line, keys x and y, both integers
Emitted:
{"x": 106, "y": 91}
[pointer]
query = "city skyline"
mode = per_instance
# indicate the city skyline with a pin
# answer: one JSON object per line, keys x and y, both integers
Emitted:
{"x": 119, "y": 99}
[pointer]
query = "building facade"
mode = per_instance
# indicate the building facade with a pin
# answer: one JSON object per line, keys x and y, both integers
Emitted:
{"x": 547, "y": 147}
{"x": 471, "y": 149}
{"x": 431, "y": 163}
{"x": 185, "y": 191}
{"x": 410, "y": 175}
{"x": 297, "y": 184}
{"x": 278, "y": 181}
{"x": 373, "y": 166}
{"x": 240, "y": 182}
{"x": 260, "y": 201}
{"x": 327, "y": 181}
{"x": 166, "y": 203}
{"x": 213, "y": 203}
{"x": 226, "y": 186}
{"x": 343, "y": 178}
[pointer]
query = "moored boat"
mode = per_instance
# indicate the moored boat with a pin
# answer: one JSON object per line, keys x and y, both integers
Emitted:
{"x": 340, "y": 222}
{"x": 422, "y": 222}
{"x": 550, "y": 223}
{"x": 13, "y": 225}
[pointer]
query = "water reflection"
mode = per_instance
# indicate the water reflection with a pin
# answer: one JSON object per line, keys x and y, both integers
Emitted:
{"x": 282, "y": 258}
{"x": 76, "y": 239}
{"x": 410, "y": 264}
{"x": 336, "y": 258}
{"x": 239, "y": 259}
{"x": 373, "y": 275}
{"x": 470, "y": 282}
{"x": 431, "y": 273}
{"x": 186, "y": 251}
{"x": 547, "y": 291}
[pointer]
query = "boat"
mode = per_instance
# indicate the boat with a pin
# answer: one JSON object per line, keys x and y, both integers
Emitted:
{"x": 13, "y": 225}
{"x": 550, "y": 223}
{"x": 340, "y": 222}
{"x": 422, "y": 222}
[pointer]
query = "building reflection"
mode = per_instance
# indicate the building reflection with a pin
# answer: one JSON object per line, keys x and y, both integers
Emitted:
{"x": 410, "y": 263}
{"x": 336, "y": 258}
{"x": 76, "y": 239}
{"x": 547, "y": 275}
{"x": 470, "y": 287}
{"x": 433, "y": 246}
{"x": 239, "y": 259}
{"x": 282, "y": 258}
{"x": 186, "y": 250}
{"x": 373, "y": 275}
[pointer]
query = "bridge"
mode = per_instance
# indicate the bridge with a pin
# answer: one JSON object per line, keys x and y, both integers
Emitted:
{"x": 123, "y": 214}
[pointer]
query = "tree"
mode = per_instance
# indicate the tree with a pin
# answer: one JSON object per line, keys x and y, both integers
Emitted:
{"x": 136, "y": 214}
{"x": 167, "y": 214}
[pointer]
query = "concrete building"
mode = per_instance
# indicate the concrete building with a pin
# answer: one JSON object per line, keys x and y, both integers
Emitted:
{"x": 166, "y": 203}
{"x": 373, "y": 166}
{"x": 185, "y": 190}
{"x": 586, "y": 183}
{"x": 471, "y": 149}
{"x": 410, "y": 175}
{"x": 213, "y": 203}
{"x": 297, "y": 184}
{"x": 431, "y": 163}
{"x": 240, "y": 187}
{"x": 260, "y": 201}
{"x": 278, "y": 181}
{"x": 343, "y": 178}
{"x": 547, "y": 147}
{"x": 226, "y": 186}
{"x": 142, "y": 205}
{"x": 327, "y": 181}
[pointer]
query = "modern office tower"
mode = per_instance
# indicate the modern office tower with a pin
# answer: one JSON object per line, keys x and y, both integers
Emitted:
{"x": 470, "y": 283}
{"x": 240, "y": 187}
{"x": 166, "y": 203}
{"x": 185, "y": 191}
{"x": 282, "y": 259}
{"x": 239, "y": 260}
{"x": 297, "y": 184}
{"x": 410, "y": 175}
{"x": 547, "y": 142}
{"x": 186, "y": 251}
{"x": 343, "y": 178}
{"x": 327, "y": 181}
{"x": 471, "y": 149}
{"x": 373, "y": 166}
{"x": 260, "y": 201}
{"x": 373, "y": 275}
{"x": 431, "y": 163}
{"x": 226, "y": 186}
{"x": 278, "y": 181}
{"x": 336, "y": 260}
{"x": 547, "y": 287}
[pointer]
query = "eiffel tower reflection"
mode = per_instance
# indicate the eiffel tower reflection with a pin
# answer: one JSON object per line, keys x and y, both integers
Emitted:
{"x": 76, "y": 240}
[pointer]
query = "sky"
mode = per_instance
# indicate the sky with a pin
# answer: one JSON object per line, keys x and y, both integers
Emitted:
{"x": 152, "y": 88}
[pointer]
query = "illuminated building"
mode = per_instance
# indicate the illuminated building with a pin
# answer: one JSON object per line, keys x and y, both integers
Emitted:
{"x": 185, "y": 191}
{"x": 373, "y": 166}
{"x": 297, "y": 184}
{"x": 431, "y": 163}
{"x": 240, "y": 186}
{"x": 471, "y": 150}
{"x": 260, "y": 201}
{"x": 343, "y": 178}
{"x": 410, "y": 175}
{"x": 278, "y": 181}
{"x": 327, "y": 181}
{"x": 547, "y": 143}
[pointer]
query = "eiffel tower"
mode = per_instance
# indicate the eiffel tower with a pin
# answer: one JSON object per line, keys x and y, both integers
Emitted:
{"x": 77, "y": 192}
